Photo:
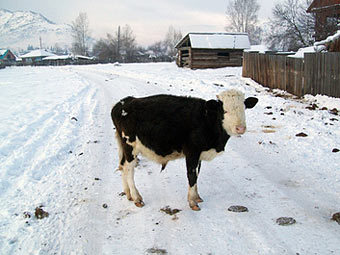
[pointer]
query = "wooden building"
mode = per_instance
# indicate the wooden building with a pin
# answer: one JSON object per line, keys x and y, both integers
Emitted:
{"x": 327, "y": 17}
{"x": 211, "y": 50}
{"x": 7, "y": 58}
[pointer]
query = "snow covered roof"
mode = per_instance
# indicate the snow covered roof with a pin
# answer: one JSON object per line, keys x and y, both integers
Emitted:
{"x": 300, "y": 53}
{"x": 55, "y": 57}
{"x": 258, "y": 48}
{"x": 2, "y": 52}
{"x": 216, "y": 40}
{"x": 329, "y": 39}
{"x": 37, "y": 53}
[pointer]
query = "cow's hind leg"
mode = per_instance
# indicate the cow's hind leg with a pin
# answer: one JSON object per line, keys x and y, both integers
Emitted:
{"x": 193, "y": 168}
{"x": 127, "y": 163}
{"x": 128, "y": 173}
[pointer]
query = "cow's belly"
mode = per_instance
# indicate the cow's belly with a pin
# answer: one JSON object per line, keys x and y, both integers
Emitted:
{"x": 139, "y": 147}
{"x": 209, "y": 155}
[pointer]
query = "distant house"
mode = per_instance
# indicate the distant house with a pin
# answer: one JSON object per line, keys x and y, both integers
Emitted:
{"x": 211, "y": 50}
{"x": 70, "y": 59}
{"x": 35, "y": 57}
{"x": 327, "y": 14}
{"x": 7, "y": 57}
{"x": 58, "y": 60}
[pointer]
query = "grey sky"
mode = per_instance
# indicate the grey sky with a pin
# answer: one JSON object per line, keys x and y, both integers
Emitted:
{"x": 149, "y": 19}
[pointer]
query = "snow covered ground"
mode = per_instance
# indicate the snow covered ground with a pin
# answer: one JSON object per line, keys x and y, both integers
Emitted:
{"x": 57, "y": 152}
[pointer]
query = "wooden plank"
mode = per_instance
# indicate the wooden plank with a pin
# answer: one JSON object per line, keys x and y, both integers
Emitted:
{"x": 337, "y": 72}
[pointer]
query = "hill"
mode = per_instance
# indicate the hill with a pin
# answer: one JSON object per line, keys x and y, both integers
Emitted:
{"x": 22, "y": 28}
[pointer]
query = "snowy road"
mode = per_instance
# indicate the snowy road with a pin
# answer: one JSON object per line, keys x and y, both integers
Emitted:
{"x": 57, "y": 150}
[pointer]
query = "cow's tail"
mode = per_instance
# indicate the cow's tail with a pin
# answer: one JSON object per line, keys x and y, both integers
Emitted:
{"x": 120, "y": 150}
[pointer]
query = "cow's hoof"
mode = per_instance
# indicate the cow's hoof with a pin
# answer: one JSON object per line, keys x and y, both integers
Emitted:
{"x": 195, "y": 208}
{"x": 139, "y": 204}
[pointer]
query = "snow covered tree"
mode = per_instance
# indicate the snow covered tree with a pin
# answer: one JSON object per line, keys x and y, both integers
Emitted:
{"x": 242, "y": 17}
{"x": 291, "y": 27}
{"x": 80, "y": 34}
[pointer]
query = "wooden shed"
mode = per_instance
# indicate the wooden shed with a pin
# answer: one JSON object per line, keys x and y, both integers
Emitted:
{"x": 211, "y": 50}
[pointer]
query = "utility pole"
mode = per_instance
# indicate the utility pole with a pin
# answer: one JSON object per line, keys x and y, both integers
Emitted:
{"x": 118, "y": 43}
{"x": 40, "y": 42}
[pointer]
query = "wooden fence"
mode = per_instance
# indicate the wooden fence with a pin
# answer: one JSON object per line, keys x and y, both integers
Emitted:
{"x": 316, "y": 73}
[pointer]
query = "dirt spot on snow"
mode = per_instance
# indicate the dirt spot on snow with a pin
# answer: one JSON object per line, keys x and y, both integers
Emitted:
{"x": 27, "y": 215}
{"x": 334, "y": 111}
{"x": 269, "y": 113}
{"x": 40, "y": 213}
{"x": 312, "y": 107}
{"x": 301, "y": 135}
{"x": 170, "y": 211}
{"x": 285, "y": 221}
{"x": 156, "y": 251}
{"x": 268, "y": 129}
{"x": 237, "y": 208}
{"x": 336, "y": 217}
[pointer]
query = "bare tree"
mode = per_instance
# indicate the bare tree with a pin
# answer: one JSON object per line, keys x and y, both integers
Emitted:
{"x": 128, "y": 44}
{"x": 80, "y": 34}
{"x": 118, "y": 47}
{"x": 291, "y": 26}
{"x": 172, "y": 37}
{"x": 242, "y": 17}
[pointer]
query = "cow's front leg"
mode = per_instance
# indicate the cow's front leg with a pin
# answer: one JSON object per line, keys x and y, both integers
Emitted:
{"x": 193, "y": 168}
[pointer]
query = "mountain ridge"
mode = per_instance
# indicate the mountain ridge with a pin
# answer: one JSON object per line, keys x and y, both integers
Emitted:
{"x": 20, "y": 29}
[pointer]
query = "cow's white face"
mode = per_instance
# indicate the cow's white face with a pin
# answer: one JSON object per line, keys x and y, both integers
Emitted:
{"x": 234, "y": 121}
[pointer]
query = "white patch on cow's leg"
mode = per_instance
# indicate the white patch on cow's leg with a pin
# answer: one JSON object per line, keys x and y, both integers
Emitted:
{"x": 129, "y": 170}
{"x": 193, "y": 198}
{"x": 126, "y": 186}
{"x": 198, "y": 198}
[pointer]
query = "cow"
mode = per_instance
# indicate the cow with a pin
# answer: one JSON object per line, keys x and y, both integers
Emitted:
{"x": 168, "y": 127}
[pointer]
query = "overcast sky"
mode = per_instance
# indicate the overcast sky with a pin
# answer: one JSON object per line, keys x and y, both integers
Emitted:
{"x": 149, "y": 19}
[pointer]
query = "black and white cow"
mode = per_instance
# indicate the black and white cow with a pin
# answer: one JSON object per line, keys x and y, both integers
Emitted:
{"x": 166, "y": 127}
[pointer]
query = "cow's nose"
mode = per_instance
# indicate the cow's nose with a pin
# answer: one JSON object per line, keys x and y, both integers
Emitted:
{"x": 240, "y": 130}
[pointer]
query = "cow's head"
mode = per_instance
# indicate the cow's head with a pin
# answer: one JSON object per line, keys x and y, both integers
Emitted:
{"x": 234, "y": 105}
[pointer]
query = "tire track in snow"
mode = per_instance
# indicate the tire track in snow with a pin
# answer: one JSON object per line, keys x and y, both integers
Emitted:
{"x": 46, "y": 174}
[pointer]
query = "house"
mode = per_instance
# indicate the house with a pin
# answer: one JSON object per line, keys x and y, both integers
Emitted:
{"x": 7, "y": 57}
{"x": 35, "y": 57}
{"x": 327, "y": 17}
{"x": 211, "y": 50}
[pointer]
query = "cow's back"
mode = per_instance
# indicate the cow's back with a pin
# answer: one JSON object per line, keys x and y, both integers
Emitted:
{"x": 162, "y": 123}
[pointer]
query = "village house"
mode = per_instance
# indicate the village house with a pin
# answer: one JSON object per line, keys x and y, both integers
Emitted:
{"x": 211, "y": 50}
{"x": 35, "y": 57}
{"x": 327, "y": 17}
{"x": 7, "y": 57}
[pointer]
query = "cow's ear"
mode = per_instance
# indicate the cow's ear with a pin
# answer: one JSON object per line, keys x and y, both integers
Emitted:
{"x": 250, "y": 102}
{"x": 213, "y": 105}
